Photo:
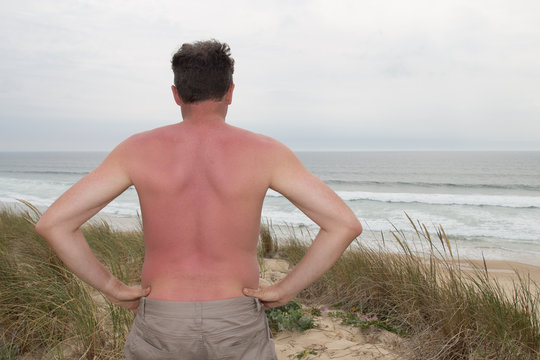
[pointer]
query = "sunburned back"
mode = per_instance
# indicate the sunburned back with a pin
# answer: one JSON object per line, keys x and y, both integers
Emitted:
{"x": 201, "y": 190}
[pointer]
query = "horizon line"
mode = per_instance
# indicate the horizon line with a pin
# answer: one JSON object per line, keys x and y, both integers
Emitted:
{"x": 312, "y": 150}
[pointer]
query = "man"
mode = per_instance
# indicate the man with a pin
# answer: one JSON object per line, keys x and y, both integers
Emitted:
{"x": 201, "y": 185}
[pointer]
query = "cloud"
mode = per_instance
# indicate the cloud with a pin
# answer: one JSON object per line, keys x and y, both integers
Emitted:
{"x": 315, "y": 74}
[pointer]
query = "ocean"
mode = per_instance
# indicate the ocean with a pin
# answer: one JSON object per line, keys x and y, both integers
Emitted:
{"x": 487, "y": 202}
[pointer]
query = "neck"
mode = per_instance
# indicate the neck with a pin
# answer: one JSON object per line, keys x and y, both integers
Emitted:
{"x": 207, "y": 112}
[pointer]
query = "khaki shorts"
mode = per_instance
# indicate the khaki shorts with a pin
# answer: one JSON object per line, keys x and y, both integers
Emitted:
{"x": 223, "y": 329}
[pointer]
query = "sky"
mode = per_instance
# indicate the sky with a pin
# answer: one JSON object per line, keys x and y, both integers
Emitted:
{"x": 317, "y": 75}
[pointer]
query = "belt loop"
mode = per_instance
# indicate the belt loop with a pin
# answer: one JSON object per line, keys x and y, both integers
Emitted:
{"x": 143, "y": 300}
{"x": 259, "y": 304}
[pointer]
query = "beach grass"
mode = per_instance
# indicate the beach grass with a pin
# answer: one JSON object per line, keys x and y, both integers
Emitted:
{"x": 49, "y": 313}
{"x": 424, "y": 295}
{"x": 444, "y": 312}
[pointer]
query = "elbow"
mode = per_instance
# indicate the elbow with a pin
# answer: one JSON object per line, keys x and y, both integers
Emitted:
{"x": 350, "y": 228}
{"x": 42, "y": 228}
{"x": 355, "y": 228}
{"x": 51, "y": 229}
{"x": 358, "y": 228}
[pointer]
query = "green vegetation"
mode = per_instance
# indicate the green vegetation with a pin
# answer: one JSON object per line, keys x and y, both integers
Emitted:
{"x": 445, "y": 313}
{"x": 288, "y": 317}
{"x": 363, "y": 321}
{"x": 305, "y": 353}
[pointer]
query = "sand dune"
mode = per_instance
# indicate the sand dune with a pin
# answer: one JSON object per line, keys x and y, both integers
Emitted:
{"x": 331, "y": 340}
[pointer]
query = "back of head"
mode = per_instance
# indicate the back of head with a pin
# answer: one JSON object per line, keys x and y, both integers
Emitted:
{"x": 203, "y": 70}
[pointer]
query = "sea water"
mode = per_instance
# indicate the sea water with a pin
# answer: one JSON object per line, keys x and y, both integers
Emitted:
{"x": 488, "y": 203}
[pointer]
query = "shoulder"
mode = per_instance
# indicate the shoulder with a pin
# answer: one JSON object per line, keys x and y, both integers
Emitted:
{"x": 134, "y": 147}
{"x": 262, "y": 143}
{"x": 277, "y": 157}
{"x": 149, "y": 136}
{"x": 278, "y": 151}
{"x": 143, "y": 141}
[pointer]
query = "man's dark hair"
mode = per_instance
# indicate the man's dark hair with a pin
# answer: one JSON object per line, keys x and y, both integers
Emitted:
{"x": 203, "y": 70}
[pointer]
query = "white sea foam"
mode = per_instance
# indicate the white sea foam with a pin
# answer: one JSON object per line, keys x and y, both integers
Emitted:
{"x": 437, "y": 199}
{"x": 445, "y": 199}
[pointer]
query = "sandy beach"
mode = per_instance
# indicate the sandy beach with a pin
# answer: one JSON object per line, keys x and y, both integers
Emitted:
{"x": 505, "y": 272}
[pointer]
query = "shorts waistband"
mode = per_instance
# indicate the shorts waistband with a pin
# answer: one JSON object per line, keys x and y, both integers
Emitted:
{"x": 208, "y": 309}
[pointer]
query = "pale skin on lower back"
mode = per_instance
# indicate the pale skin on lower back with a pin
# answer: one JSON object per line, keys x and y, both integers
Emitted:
{"x": 201, "y": 185}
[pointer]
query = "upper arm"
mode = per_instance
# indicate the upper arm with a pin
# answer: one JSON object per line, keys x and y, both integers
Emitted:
{"x": 90, "y": 194}
{"x": 307, "y": 192}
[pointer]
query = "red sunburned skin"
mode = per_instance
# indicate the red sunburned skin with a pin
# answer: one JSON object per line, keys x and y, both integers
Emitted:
{"x": 201, "y": 191}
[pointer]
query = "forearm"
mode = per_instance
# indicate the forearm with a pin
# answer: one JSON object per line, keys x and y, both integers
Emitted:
{"x": 325, "y": 250}
{"x": 72, "y": 248}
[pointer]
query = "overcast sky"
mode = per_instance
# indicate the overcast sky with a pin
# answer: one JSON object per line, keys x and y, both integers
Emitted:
{"x": 317, "y": 75}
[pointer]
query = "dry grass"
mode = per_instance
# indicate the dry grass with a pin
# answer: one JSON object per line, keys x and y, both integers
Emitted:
{"x": 268, "y": 245}
{"x": 46, "y": 311}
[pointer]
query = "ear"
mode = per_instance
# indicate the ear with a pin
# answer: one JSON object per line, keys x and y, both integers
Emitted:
{"x": 229, "y": 94}
{"x": 177, "y": 97}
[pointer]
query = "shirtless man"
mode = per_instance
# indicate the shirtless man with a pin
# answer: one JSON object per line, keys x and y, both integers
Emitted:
{"x": 201, "y": 185}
